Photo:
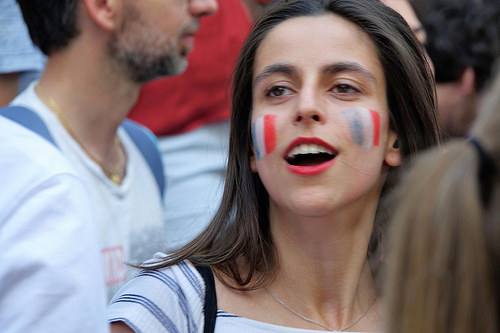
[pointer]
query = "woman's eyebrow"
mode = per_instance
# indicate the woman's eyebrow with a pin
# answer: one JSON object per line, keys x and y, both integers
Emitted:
{"x": 275, "y": 69}
{"x": 334, "y": 68}
{"x": 354, "y": 67}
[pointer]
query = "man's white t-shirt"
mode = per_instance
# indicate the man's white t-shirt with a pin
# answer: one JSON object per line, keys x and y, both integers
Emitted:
{"x": 51, "y": 277}
{"x": 129, "y": 215}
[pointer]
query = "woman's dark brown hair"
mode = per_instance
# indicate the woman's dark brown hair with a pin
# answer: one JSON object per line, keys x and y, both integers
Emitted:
{"x": 238, "y": 241}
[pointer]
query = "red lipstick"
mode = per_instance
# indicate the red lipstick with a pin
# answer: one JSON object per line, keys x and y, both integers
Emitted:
{"x": 305, "y": 162}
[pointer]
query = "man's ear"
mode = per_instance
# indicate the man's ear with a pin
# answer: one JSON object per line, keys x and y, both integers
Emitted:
{"x": 467, "y": 83}
{"x": 393, "y": 153}
{"x": 103, "y": 12}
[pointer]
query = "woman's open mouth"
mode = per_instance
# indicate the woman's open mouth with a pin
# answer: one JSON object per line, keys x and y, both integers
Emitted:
{"x": 309, "y": 156}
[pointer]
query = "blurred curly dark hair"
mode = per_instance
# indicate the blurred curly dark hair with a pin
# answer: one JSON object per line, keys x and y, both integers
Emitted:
{"x": 461, "y": 34}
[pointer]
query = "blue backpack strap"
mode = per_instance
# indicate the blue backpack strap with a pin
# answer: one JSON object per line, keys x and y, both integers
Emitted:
{"x": 142, "y": 137}
{"x": 147, "y": 143}
{"x": 29, "y": 119}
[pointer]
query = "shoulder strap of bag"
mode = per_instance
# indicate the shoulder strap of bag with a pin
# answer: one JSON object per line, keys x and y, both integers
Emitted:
{"x": 147, "y": 143}
{"x": 142, "y": 137}
{"x": 29, "y": 119}
{"x": 210, "y": 306}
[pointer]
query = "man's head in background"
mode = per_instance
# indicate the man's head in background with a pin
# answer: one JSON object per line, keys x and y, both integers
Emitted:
{"x": 463, "y": 42}
{"x": 147, "y": 39}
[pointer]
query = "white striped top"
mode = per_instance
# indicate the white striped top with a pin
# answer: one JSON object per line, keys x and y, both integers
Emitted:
{"x": 171, "y": 300}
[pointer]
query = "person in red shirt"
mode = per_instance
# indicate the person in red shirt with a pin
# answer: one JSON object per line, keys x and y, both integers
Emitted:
{"x": 190, "y": 115}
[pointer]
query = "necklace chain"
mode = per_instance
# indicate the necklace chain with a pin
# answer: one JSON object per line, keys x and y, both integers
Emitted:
{"x": 111, "y": 173}
{"x": 317, "y": 322}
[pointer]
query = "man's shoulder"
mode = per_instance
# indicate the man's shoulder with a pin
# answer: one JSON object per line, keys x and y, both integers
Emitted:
{"x": 26, "y": 149}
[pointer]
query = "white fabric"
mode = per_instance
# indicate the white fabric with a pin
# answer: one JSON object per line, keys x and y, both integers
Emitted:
{"x": 51, "y": 277}
{"x": 171, "y": 300}
{"x": 195, "y": 167}
{"x": 129, "y": 215}
{"x": 227, "y": 323}
{"x": 167, "y": 300}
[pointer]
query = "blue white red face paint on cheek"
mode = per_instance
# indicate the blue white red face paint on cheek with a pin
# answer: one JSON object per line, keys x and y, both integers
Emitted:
{"x": 364, "y": 125}
{"x": 264, "y": 135}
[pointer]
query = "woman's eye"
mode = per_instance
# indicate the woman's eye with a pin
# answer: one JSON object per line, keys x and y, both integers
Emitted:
{"x": 278, "y": 91}
{"x": 344, "y": 89}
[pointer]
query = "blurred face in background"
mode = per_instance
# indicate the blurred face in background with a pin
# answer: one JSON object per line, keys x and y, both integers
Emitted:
{"x": 404, "y": 9}
{"x": 149, "y": 45}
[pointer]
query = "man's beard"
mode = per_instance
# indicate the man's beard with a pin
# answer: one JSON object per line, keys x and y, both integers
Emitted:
{"x": 144, "y": 52}
{"x": 142, "y": 66}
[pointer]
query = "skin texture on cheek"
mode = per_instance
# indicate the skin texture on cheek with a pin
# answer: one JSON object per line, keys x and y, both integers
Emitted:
{"x": 364, "y": 125}
{"x": 264, "y": 135}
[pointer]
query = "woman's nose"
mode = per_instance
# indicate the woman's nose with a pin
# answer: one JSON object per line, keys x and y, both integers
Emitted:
{"x": 309, "y": 109}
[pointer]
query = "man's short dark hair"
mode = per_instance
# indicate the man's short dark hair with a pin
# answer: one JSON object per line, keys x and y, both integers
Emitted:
{"x": 51, "y": 23}
{"x": 461, "y": 34}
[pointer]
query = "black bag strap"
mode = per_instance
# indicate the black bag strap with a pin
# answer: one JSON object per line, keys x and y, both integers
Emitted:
{"x": 210, "y": 306}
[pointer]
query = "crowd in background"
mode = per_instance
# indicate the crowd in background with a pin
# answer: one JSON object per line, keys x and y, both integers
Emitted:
{"x": 143, "y": 152}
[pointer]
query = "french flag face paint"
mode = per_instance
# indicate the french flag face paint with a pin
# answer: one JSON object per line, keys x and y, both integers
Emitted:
{"x": 264, "y": 135}
{"x": 364, "y": 125}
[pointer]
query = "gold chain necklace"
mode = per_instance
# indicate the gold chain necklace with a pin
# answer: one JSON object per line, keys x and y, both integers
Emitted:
{"x": 314, "y": 321}
{"x": 110, "y": 173}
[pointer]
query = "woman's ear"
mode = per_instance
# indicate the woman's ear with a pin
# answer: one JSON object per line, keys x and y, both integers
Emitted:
{"x": 393, "y": 153}
{"x": 253, "y": 162}
{"x": 103, "y": 12}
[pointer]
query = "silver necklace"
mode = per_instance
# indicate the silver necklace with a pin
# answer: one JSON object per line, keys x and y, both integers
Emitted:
{"x": 314, "y": 321}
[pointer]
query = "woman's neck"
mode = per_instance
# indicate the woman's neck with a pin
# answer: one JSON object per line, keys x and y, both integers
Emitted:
{"x": 322, "y": 273}
{"x": 323, "y": 261}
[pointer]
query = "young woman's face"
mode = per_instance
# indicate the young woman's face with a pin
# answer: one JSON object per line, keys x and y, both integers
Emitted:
{"x": 320, "y": 123}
